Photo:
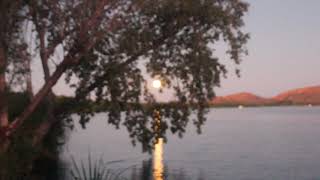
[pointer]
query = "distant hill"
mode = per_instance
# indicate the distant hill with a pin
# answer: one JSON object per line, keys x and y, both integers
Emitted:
{"x": 301, "y": 96}
{"x": 307, "y": 95}
{"x": 244, "y": 98}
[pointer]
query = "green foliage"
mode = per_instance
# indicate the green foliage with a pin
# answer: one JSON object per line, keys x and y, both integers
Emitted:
{"x": 26, "y": 162}
{"x": 17, "y": 102}
{"x": 175, "y": 41}
{"x": 22, "y": 156}
{"x": 12, "y": 42}
{"x": 17, "y": 161}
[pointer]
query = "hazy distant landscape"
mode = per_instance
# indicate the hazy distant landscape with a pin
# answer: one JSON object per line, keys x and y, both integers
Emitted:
{"x": 302, "y": 96}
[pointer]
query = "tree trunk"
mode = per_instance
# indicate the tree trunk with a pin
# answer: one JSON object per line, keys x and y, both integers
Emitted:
{"x": 49, "y": 118}
{"x": 3, "y": 97}
{"x": 42, "y": 93}
{"x": 75, "y": 54}
{"x": 4, "y": 122}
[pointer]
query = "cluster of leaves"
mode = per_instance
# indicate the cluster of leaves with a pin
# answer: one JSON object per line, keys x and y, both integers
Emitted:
{"x": 174, "y": 40}
{"x": 12, "y": 40}
{"x": 105, "y": 46}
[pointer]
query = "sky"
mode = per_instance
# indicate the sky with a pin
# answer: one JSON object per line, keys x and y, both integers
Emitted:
{"x": 284, "y": 49}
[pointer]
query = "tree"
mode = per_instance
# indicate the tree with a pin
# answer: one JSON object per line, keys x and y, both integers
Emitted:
{"x": 10, "y": 22}
{"x": 103, "y": 41}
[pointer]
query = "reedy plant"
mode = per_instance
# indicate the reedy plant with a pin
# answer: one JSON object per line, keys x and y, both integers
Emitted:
{"x": 94, "y": 170}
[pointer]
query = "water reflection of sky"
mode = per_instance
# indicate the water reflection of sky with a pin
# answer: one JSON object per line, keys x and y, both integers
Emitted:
{"x": 256, "y": 143}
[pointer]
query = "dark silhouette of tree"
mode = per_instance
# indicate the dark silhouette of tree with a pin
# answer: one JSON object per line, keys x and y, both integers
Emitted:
{"x": 175, "y": 41}
{"x": 102, "y": 43}
{"x": 11, "y": 54}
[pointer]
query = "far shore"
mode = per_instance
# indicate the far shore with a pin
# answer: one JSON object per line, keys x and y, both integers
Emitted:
{"x": 263, "y": 106}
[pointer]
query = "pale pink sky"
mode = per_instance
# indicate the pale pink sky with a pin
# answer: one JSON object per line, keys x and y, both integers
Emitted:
{"x": 284, "y": 50}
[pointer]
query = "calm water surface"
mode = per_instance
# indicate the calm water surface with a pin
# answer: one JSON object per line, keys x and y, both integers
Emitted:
{"x": 275, "y": 143}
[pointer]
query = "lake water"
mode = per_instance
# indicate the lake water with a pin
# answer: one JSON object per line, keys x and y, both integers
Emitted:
{"x": 252, "y": 143}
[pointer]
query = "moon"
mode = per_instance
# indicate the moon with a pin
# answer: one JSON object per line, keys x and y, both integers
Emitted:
{"x": 156, "y": 83}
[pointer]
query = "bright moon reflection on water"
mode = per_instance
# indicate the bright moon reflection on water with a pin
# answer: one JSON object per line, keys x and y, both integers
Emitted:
{"x": 156, "y": 83}
{"x": 158, "y": 160}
